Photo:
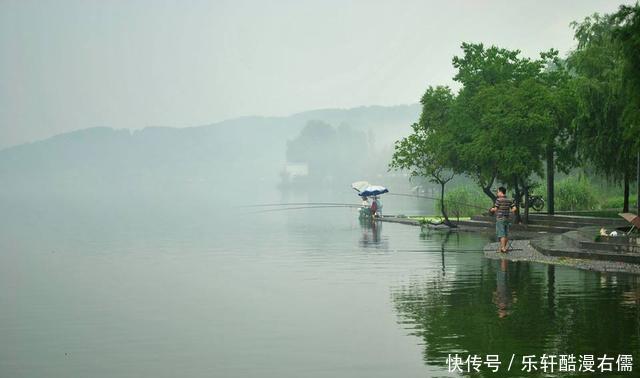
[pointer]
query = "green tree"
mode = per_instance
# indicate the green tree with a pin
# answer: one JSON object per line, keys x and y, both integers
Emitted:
{"x": 426, "y": 152}
{"x": 606, "y": 107}
{"x": 560, "y": 144}
{"x": 507, "y": 115}
{"x": 515, "y": 125}
{"x": 627, "y": 33}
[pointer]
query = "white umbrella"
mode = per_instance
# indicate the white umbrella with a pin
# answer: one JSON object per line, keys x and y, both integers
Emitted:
{"x": 358, "y": 186}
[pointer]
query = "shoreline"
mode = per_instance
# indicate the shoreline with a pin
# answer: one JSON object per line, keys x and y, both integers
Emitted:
{"x": 515, "y": 234}
{"x": 523, "y": 251}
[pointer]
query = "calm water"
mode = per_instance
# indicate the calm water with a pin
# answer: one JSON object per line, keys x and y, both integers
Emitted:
{"x": 196, "y": 293}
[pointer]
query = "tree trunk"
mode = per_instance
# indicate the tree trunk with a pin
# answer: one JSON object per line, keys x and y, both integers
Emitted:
{"x": 625, "y": 207}
{"x": 526, "y": 204}
{"x": 550, "y": 181}
{"x": 442, "y": 207}
{"x": 487, "y": 190}
{"x": 518, "y": 197}
{"x": 551, "y": 289}
{"x": 489, "y": 193}
{"x": 638, "y": 184}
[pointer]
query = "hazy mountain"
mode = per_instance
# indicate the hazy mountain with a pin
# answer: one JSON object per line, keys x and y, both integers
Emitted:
{"x": 236, "y": 157}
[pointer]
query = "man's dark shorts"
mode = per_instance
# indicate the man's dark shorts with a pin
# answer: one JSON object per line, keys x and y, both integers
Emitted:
{"x": 502, "y": 228}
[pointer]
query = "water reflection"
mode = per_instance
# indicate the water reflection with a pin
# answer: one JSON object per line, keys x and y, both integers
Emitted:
{"x": 371, "y": 231}
{"x": 483, "y": 306}
{"x": 503, "y": 297}
{"x": 551, "y": 290}
{"x": 167, "y": 280}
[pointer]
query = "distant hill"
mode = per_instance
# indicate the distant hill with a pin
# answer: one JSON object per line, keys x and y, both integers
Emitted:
{"x": 237, "y": 156}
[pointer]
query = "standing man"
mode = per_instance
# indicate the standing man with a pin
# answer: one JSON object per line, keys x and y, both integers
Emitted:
{"x": 503, "y": 209}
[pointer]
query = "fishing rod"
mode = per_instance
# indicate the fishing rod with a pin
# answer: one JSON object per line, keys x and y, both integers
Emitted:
{"x": 305, "y": 207}
{"x": 302, "y": 204}
{"x": 439, "y": 250}
{"x": 451, "y": 250}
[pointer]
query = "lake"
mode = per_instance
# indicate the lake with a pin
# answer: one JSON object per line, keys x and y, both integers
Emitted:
{"x": 198, "y": 290}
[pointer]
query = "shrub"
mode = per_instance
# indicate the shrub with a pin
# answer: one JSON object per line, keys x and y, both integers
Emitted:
{"x": 615, "y": 202}
{"x": 464, "y": 201}
{"x": 575, "y": 193}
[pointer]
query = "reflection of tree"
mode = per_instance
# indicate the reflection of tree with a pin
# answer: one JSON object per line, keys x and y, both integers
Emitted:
{"x": 602, "y": 321}
{"x": 461, "y": 314}
{"x": 445, "y": 241}
{"x": 551, "y": 289}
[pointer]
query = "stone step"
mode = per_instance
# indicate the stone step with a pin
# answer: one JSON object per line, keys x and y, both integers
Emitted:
{"x": 577, "y": 219}
{"x": 541, "y": 227}
{"x": 573, "y": 238}
{"x": 528, "y": 227}
{"x": 591, "y": 232}
{"x": 552, "y": 242}
{"x": 557, "y": 245}
{"x": 572, "y": 224}
{"x": 621, "y": 248}
{"x": 562, "y": 221}
{"x": 620, "y": 244}
{"x": 514, "y": 227}
{"x": 561, "y": 214}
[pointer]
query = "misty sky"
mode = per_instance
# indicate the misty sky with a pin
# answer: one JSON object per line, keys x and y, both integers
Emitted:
{"x": 67, "y": 65}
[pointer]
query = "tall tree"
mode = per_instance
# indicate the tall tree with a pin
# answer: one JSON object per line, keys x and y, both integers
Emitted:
{"x": 426, "y": 152}
{"x": 627, "y": 33}
{"x": 503, "y": 117}
{"x": 606, "y": 110}
{"x": 560, "y": 144}
{"x": 513, "y": 130}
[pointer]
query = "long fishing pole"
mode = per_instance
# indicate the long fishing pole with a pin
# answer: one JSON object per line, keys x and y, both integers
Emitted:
{"x": 305, "y": 207}
{"x": 439, "y": 250}
{"x": 301, "y": 204}
{"x": 451, "y": 250}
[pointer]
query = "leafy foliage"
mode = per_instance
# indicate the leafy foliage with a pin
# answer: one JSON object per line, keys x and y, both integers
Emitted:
{"x": 627, "y": 34}
{"x": 465, "y": 201}
{"x": 513, "y": 113}
{"x": 427, "y": 151}
{"x": 605, "y": 105}
{"x": 575, "y": 193}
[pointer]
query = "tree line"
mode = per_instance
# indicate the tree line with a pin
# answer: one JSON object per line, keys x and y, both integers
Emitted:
{"x": 518, "y": 119}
